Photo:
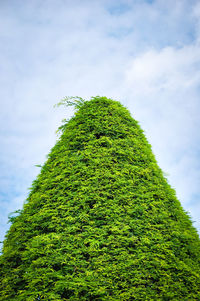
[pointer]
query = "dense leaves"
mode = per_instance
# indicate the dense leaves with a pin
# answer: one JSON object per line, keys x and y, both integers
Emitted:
{"x": 101, "y": 222}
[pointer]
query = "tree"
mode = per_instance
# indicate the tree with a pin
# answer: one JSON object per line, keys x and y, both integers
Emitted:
{"x": 101, "y": 221}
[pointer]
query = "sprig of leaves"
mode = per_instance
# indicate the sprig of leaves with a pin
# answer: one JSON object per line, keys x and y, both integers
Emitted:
{"x": 71, "y": 101}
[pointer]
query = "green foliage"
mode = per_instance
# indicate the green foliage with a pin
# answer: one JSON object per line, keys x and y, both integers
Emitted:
{"x": 101, "y": 222}
{"x": 74, "y": 101}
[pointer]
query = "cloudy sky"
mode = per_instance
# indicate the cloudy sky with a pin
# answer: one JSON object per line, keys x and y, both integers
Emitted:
{"x": 144, "y": 53}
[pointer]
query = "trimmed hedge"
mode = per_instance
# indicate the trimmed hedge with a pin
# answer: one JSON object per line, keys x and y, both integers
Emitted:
{"x": 101, "y": 222}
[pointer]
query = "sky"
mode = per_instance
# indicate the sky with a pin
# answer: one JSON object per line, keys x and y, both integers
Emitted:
{"x": 146, "y": 54}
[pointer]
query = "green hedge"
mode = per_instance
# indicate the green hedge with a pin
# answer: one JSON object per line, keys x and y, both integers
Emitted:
{"x": 101, "y": 222}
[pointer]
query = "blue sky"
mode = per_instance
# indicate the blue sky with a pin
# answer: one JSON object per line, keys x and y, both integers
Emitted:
{"x": 144, "y": 53}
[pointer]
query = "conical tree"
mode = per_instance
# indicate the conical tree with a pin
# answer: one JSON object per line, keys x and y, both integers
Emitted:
{"x": 101, "y": 222}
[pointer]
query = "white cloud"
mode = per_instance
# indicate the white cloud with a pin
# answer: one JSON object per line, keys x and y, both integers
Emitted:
{"x": 168, "y": 69}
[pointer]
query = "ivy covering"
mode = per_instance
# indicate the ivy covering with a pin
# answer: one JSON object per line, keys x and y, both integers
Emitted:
{"x": 101, "y": 222}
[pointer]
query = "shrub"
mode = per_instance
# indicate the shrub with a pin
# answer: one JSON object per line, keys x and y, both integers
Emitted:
{"x": 101, "y": 221}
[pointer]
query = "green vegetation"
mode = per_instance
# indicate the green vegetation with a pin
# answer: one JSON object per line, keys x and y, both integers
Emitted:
{"x": 101, "y": 222}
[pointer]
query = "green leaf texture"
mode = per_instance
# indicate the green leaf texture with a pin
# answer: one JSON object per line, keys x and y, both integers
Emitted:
{"x": 101, "y": 221}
